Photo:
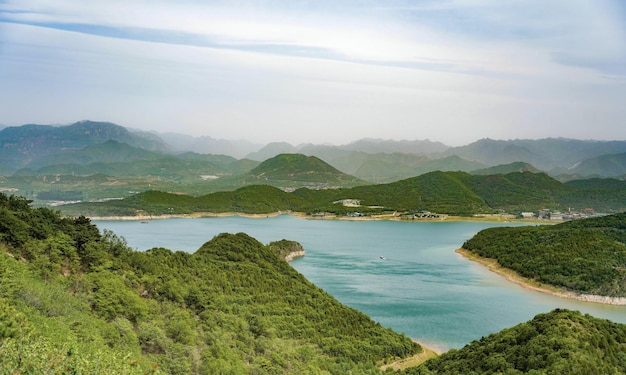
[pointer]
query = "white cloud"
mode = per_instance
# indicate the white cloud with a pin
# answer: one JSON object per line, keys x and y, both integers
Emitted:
{"x": 540, "y": 77}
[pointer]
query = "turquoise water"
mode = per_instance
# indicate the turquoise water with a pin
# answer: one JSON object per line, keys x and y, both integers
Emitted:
{"x": 422, "y": 288}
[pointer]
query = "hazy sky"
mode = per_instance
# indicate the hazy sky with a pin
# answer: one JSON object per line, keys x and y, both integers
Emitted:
{"x": 320, "y": 71}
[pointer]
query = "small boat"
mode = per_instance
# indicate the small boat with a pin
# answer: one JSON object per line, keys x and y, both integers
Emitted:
{"x": 383, "y": 258}
{"x": 144, "y": 222}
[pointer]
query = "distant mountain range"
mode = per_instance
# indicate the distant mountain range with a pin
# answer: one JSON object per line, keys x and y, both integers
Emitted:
{"x": 376, "y": 161}
{"x": 368, "y": 145}
{"x": 34, "y": 147}
{"x": 550, "y": 154}
{"x": 46, "y": 144}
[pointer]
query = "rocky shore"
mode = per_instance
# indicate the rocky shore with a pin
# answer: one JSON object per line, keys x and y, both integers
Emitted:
{"x": 293, "y": 255}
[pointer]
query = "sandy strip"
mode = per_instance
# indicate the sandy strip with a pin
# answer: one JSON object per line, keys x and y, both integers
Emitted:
{"x": 194, "y": 215}
{"x": 524, "y": 282}
{"x": 302, "y": 215}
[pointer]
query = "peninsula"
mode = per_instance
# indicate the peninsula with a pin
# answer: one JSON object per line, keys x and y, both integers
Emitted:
{"x": 582, "y": 259}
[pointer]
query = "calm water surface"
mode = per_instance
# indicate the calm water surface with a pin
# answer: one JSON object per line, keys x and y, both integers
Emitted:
{"x": 422, "y": 288}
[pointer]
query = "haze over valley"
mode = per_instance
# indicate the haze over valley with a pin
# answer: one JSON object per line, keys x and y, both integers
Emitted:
{"x": 94, "y": 161}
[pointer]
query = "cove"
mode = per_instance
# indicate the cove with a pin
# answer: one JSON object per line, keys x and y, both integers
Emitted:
{"x": 421, "y": 288}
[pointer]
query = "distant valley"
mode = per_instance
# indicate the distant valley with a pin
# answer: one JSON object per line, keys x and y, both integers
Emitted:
{"x": 89, "y": 160}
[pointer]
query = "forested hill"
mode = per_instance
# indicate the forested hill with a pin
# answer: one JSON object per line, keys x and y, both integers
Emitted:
{"x": 73, "y": 300}
{"x": 559, "y": 342}
{"x": 585, "y": 256}
{"x": 292, "y": 171}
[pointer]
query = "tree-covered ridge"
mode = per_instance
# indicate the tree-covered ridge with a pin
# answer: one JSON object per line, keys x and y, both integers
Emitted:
{"x": 456, "y": 193}
{"x": 518, "y": 166}
{"x": 559, "y": 342}
{"x": 443, "y": 192}
{"x": 519, "y": 191}
{"x": 585, "y": 256}
{"x": 298, "y": 167}
{"x": 73, "y": 300}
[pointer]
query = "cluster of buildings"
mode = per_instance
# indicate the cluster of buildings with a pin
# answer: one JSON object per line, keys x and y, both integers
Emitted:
{"x": 546, "y": 214}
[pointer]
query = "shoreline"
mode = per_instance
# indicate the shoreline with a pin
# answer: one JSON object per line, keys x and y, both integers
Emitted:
{"x": 302, "y": 215}
{"x": 512, "y": 276}
{"x": 195, "y": 215}
{"x": 294, "y": 255}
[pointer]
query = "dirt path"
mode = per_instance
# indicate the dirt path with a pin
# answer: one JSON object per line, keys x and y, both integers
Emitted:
{"x": 412, "y": 361}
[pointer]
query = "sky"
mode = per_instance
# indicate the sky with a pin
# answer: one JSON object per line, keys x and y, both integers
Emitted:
{"x": 325, "y": 71}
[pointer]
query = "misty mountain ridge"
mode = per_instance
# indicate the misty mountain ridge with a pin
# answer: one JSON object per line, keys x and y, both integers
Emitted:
{"x": 608, "y": 165}
{"x": 366, "y": 145}
{"x": 556, "y": 156}
{"x": 518, "y": 166}
{"x": 377, "y": 145}
{"x": 204, "y": 144}
{"x": 119, "y": 159}
{"x": 110, "y": 151}
{"x": 375, "y": 160}
{"x": 546, "y": 154}
{"x": 23, "y": 145}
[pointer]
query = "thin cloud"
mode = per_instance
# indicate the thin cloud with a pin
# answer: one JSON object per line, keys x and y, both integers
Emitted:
{"x": 331, "y": 71}
{"x": 447, "y": 34}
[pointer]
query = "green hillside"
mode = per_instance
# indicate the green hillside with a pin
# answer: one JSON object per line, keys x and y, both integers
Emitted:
{"x": 443, "y": 192}
{"x": 456, "y": 193}
{"x": 291, "y": 171}
{"x": 461, "y": 193}
{"x": 603, "y": 194}
{"x": 73, "y": 300}
{"x": 298, "y": 168}
{"x": 519, "y": 191}
{"x": 559, "y": 342}
{"x": 584, "y": 256}
{"x": 260, "y": 199}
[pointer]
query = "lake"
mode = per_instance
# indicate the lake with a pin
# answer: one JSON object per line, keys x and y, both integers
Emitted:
{"x": 421, "y": 288}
